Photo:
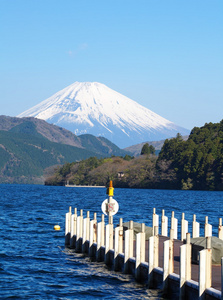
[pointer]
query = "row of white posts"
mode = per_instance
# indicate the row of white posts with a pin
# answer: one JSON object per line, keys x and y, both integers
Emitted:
{"x": 184, "y": 226}
{"x": 84, "y": 234}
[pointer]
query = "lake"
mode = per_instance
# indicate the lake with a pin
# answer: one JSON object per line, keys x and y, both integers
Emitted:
{"x": 34, "y": 264}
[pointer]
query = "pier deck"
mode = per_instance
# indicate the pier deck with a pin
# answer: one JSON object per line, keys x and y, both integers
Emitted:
{"x": 216, "y": 269}
{"x": 166, "y": 265}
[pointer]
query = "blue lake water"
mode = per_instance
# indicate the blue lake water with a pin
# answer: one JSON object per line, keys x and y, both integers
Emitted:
{"x": 34, "y": 264}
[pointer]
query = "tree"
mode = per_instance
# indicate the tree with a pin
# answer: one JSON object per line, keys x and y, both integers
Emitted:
{"x": 146, "y": 149}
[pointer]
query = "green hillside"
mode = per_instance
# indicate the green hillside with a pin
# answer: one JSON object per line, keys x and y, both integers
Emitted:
{"x": 196, "y": 163}
{"x": 100, "y": 145}
{"x": 23, "y": 157}
{"x": 29, "y": 146}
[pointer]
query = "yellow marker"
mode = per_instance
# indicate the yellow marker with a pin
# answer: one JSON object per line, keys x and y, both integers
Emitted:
{"x": 56, "y": 227}
{"x": 110, "y": 189}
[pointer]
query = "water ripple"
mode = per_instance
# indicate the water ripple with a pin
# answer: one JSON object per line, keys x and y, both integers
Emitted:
{"x": 34, "y": 264}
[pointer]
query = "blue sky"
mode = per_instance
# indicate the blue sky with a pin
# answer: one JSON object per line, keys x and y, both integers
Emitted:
{"x": 167, "y": 55}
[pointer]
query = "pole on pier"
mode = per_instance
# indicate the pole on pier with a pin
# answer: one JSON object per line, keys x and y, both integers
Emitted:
{"x": 205, "y": 268}
{"x": 73, "y": 234}
{"x": 79, "y": 231}
{"x": 109, "y": 207}
{"x": 128, "y": 246}
{"x": 93, "y": 234}
{"x": 164, "y": 224}
{"x": 184, "y": 227}
{"x": 110, "y": 197}
{"x": 222, "y": 278}
{"x": 185, "y": 265}
{"x": 155, "y": 220}
{"x": 207, "y": 228}
{"x": 153, "y": 255}
{"x": 174, "y": 225}
{"x": 86, "y": 227}
{"x": 100, "y": 238}
{"x": 140, "y": 251}
{"x": 220, "y": 229}
{"x": 195, "y": 228}
{"x": 68, "y": 226}
{"x": 108, "y": 240}
{"x": 118, "y": 243}
{"x": 168, "y": 261}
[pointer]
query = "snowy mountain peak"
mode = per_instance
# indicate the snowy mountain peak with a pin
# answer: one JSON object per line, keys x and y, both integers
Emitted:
{"x": 92, "y": 107}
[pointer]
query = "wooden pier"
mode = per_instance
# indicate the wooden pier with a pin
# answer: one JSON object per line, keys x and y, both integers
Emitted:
{"x": 178, "y": 267}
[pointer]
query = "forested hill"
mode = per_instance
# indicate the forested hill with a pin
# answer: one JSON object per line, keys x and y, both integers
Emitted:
{"x": 31, "y": 147}
{"x": 193, "y": 164}
{"x": 197, "y": 162}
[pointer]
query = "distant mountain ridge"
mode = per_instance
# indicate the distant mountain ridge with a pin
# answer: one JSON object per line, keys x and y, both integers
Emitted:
{"x": 136, "y": 149}
{"x": 92, "y": 107}
{"x": 28, "y": 147}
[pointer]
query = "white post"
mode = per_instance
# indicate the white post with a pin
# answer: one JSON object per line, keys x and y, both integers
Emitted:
{"x": 164, "y": 225}
{"x": 93, "y": 234}
{"x": 108, "y": 239}
{"x": 207, "y": 228}
{"x": 79, "y": 231}
{"x": 195, "y": 228}
{"x": 128, "y": 246}
{"x": 205, "y": 268}
{"x": 68, "y": 226}
{"x": 220, "y": 229}
{"x": 174, "y": 224}
{"x": 86, "y": 227}
{"x": 185, "y": 265}
{"x": 118, "y": 243}
{"x": 155, "y": 220}
{"x": 140, "y": 250}
{"x": 184, "y": 227}
{"x": 168, "y": 262}
{"x": 222, "y": 278}
{"x": 100, "y": 237}
{"x": 153, "y": 256}
{"x": 73, "y": 233}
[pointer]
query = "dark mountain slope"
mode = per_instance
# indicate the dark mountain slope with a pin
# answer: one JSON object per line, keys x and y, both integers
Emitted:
{"x": 28, "y": 146}
{"x": 23, "y": 157}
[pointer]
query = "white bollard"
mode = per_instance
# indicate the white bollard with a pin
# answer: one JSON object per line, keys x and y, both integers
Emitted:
{"x": 164, "y": 224}
{"x": 174, "y": 225}
{"x": 195, "y": 228}
{"x": 184, "y": 227}
{"x": 155, "y": 220}
{"x": 222, "y": 278}
{"x": 140, "y": 250}
{"x": 100, "y": 237}
{"x": 207, "y": 228}
{"x": 79, "y": 231}
{"x": 86, "y": 229}
{"x": 93, "y": 234}
{"x": 153, "y": 256}
{"x": 118, "y": 243}
{"x": 108, "y": 240}
{"x": 73, "y": 233}
{"x": 205, "y": 269}
{"x": 168, "y": 261}
{"x": 128, "y": 246}
{"x": 68, "y": 227}
{"x": 220, "y": 229}
{"x": 185, "y": 265}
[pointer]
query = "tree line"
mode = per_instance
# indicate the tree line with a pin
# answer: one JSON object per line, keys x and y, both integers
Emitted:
{"x": 196, "y": 163}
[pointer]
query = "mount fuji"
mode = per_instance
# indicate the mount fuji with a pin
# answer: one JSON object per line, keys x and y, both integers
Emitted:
{"x": 92, "y": 107}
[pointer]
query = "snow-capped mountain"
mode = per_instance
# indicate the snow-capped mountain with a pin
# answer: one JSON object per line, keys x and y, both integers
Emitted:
{"x": 92, "y": 107}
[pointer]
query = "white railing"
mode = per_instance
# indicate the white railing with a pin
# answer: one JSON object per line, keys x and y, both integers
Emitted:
{"x": 111, "y": 245}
